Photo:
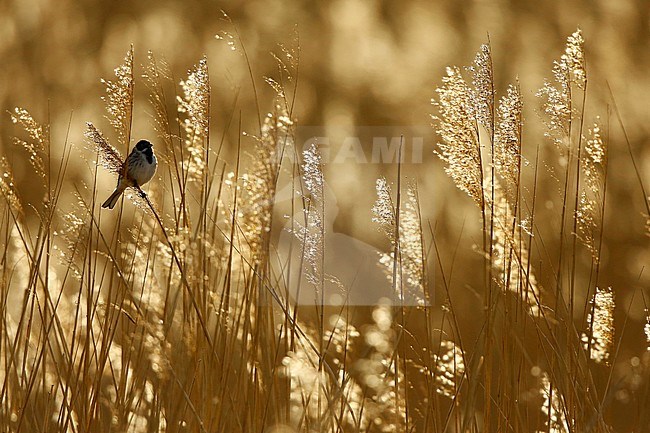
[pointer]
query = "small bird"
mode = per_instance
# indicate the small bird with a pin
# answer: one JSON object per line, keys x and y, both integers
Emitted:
{"x": 140, "y": 168}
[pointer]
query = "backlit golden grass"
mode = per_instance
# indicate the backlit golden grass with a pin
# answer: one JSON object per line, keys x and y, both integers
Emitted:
{"x": 182, "y": 316}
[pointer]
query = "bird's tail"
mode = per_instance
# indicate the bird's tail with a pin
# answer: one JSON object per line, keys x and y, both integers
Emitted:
{"x": 112, "y": 200}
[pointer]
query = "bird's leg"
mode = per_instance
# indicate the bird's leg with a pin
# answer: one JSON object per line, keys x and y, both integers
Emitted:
{"x": 137, "y": 188}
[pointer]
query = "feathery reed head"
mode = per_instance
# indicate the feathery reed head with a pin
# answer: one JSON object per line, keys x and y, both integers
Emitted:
{"x": 507, "y": 139}
{"x": 553, "y": 407}
{"x": 383, "y": 210}
{"x": 456, "y": 125}
{"x": 156, "y": 72}
{"x": 8, "y": 188}
{"x": 109, "y": 157}
{"x": 194, "y": 106}
{"x": 39, "y": 139}
{"x": 482, "y": 94}
{"x": 593, "y": 165}
{"x": 557, "y": 104}
{"x": 410, "y": 261}
{"x": 119, "y": 99}
{"x": 313, "y": 233}
{"x": 599, "y": 337}
{"x": 573, "y": 59}
{"x": 260, "y": 184}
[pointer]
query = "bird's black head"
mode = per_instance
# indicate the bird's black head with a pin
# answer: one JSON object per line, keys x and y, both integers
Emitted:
{"x": 145, "y": 148}
{"x": 142, "y": 145}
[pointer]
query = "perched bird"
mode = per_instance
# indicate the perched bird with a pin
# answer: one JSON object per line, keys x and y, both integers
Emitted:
{"x": 140, "y": 168}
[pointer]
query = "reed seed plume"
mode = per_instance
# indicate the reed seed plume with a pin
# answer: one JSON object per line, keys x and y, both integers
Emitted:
{"x": 482, "y": 94}
{"x": 410, "y": 263}
{"x": 313, "y": 232}
{"x": 194, "y": 108}
{"x": 573, "y": 59}
{"x": 456, "y": 125}
{"x": 109, "y": 157}
{"x": 228, "y": 38}
{"x": 259, "y": 186}
{"x": 8, "y": 187}
{"x": 156, "y": 72}
{"x": 507, "y": 140}
{"x": 38, "y": 143}
{"x": 410, "y": 244}
{"x": 557, "y": 104}
{"x": 276, "y": 86}
{"x": 312, "y": 168}
{"x": 554, "y": 408}
{"x": 598, "y": 340}
{"x": 593, "y": 165}
{"x": 119, "y": 100}
{"x": 384, "y": 211}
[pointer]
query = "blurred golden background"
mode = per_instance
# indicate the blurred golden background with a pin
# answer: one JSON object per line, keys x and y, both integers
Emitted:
{"x": 362, "y": 64}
